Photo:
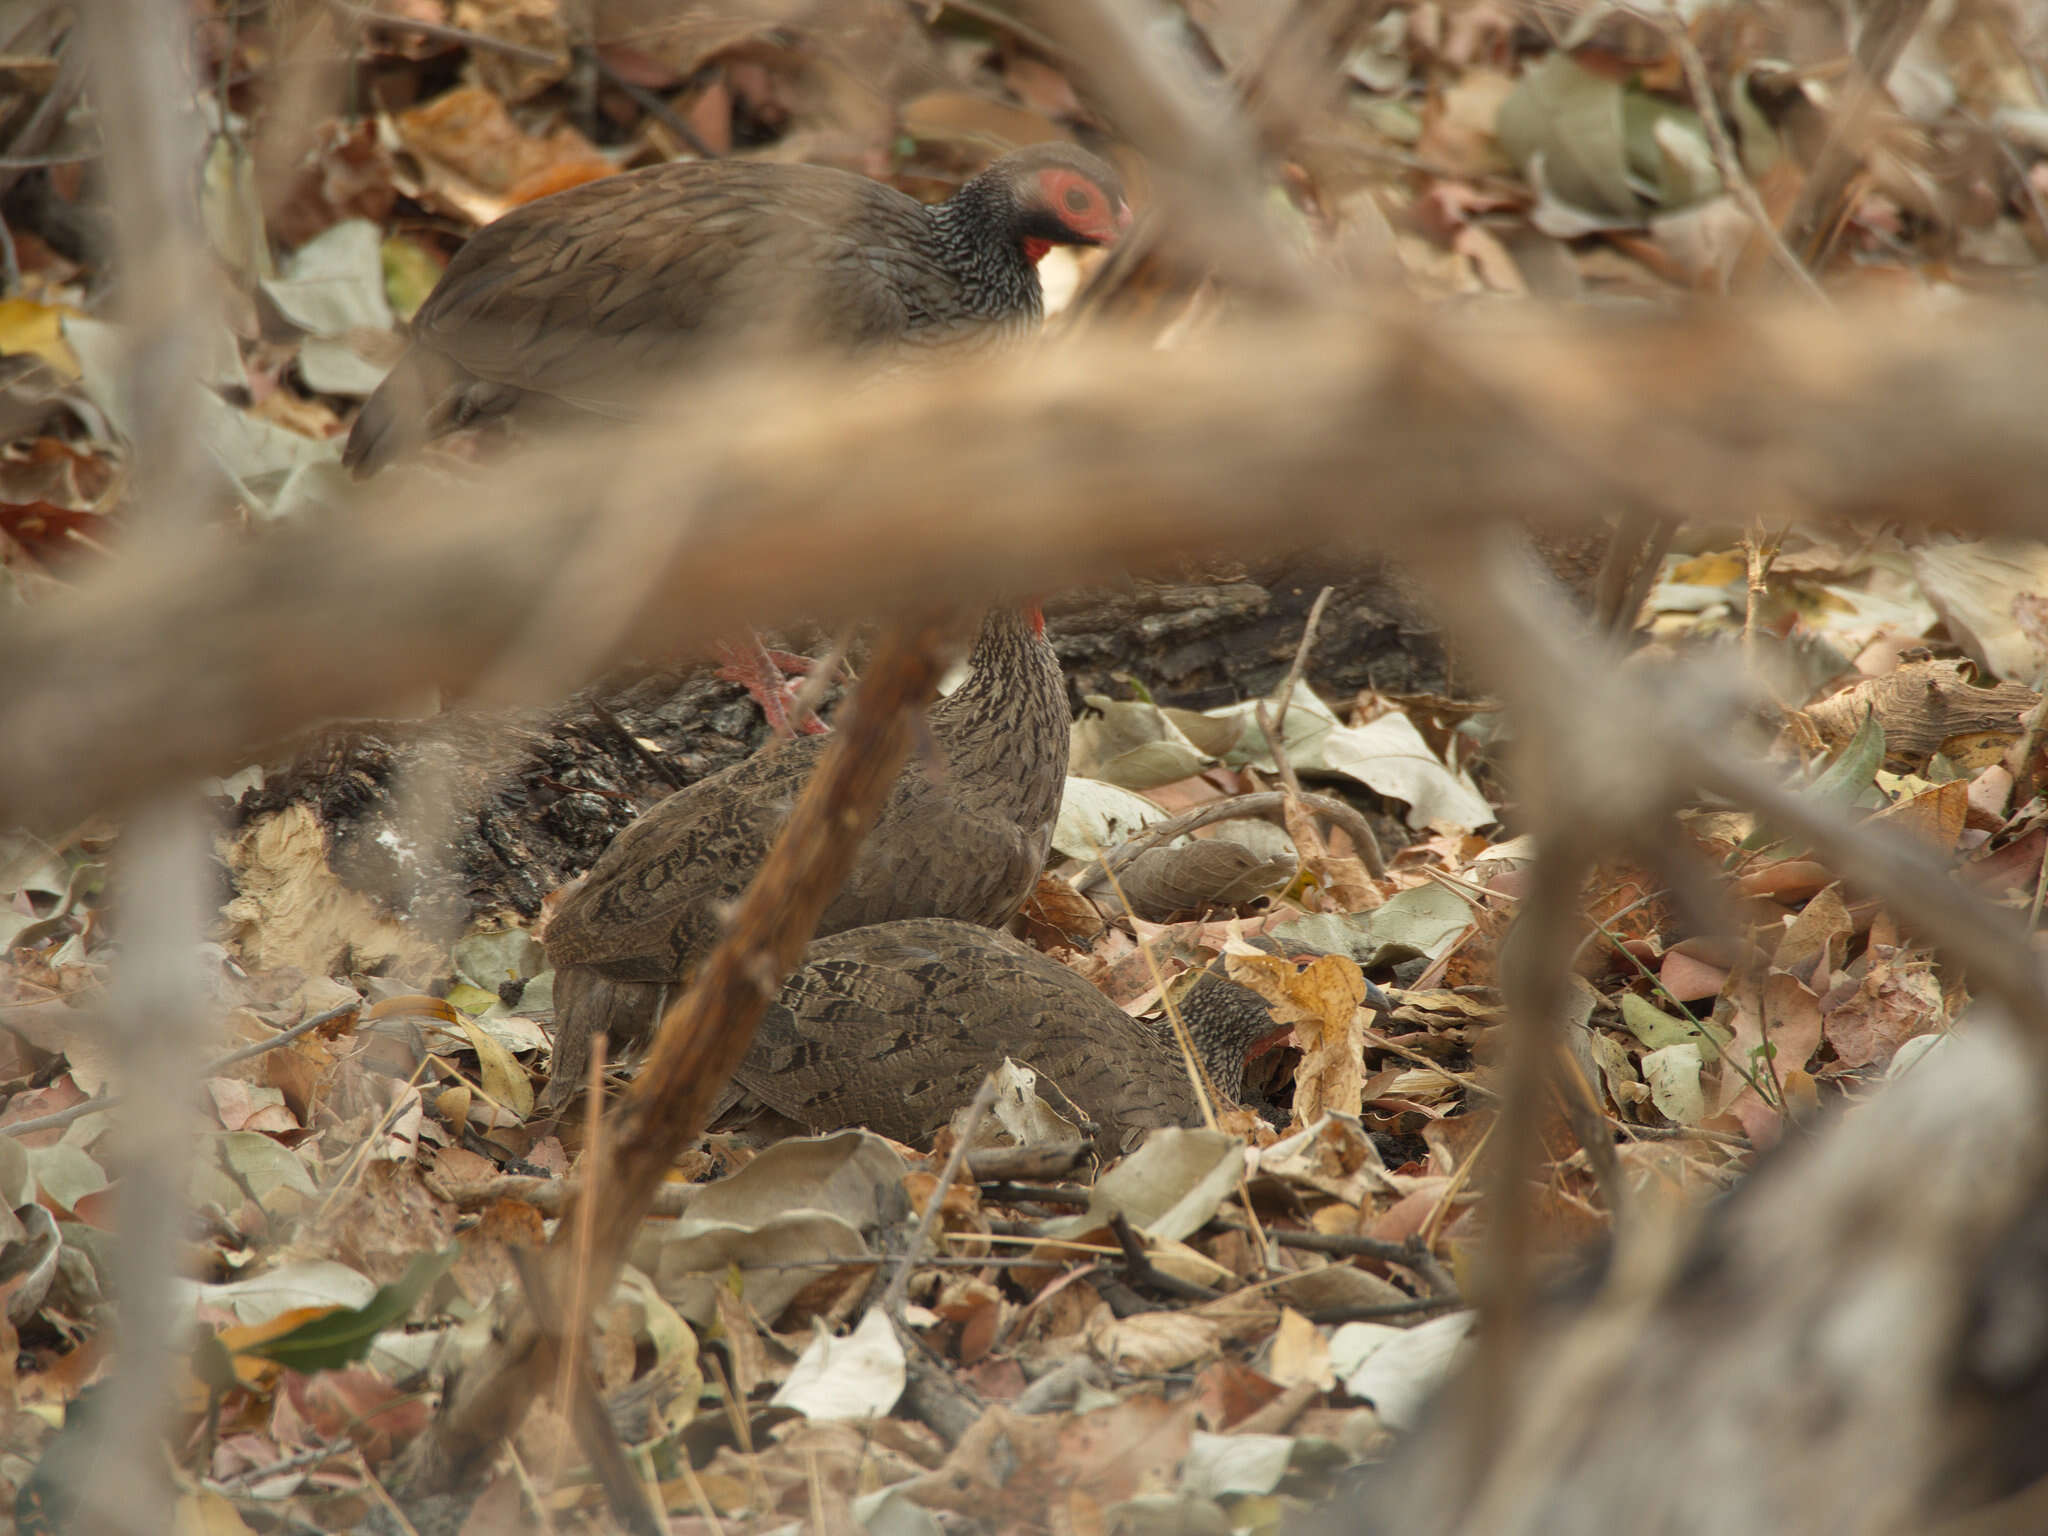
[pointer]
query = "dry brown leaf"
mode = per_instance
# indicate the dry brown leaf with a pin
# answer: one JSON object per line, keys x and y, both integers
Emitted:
{"x": 1056, "y": 915}
{"x": 1689, "y": 978}
{"x": 1322, "y": 1002}
{"x": 1898, "y": 997}
{"x": 1815, "y": 941}
{"x": 2011, "y": 870}
{"x": 1153, "y": 1343}
{"x": 1935, "y": 817}
{"x": 1786, "y": 880}
{"x": 1299, "y": 1351}
{"x": 290, "y": 910}
{"x": 1784, "y": 1012}
{"x": 389, "y": 1216}
{"x": 1921, "y": 705}
{"x": 1457, "y": 130}
{"x": 487, "y": 1266}
{"x": 473, "y": 154}
{"x": 1227, "y": 1391}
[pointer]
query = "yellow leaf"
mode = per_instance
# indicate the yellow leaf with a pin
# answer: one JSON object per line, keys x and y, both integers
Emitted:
{"x": 208, "y": 1514}
{"x": 1321, "y": 1001}
{"x": 503, "y": 1078}
{"x": 410, "y": 1005}
{"x": 26, "y": 326}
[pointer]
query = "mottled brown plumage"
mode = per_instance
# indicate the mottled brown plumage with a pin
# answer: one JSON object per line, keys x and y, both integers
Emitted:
{"x": 594, "y": 297}
{"x": 893, "y": 1027}
{"x": 964, "y": 842}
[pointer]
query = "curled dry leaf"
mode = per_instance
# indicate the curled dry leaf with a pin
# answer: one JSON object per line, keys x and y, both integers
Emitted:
{"x": 1866, "y": 1020}
{"x": 1056, "y": 914}
{"x": 1922, "y": 705}
{"x": 1207, "y": 875}
{"x": 1153, "y": 1343}
{"x": 474, "y": 155}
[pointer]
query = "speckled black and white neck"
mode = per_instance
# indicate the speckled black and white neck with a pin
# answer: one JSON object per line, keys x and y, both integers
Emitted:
{"x": 978, "y": 234}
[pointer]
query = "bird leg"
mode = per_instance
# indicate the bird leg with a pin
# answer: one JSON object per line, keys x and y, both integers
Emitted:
{"x": 761, "y": 672}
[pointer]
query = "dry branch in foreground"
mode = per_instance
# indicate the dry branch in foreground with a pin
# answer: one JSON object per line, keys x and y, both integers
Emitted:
{"x": 1852, "y": 1342}
{"x": 699, "y": 1043}
{"x": 771, "y": 499}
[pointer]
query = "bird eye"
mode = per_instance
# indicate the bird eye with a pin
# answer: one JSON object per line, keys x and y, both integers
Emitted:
{"x": 1076, "y": 199}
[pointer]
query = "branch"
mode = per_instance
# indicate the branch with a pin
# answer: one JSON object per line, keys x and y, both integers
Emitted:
{"x": 703, "y": 1038}
{"x": 1073, "y": 465}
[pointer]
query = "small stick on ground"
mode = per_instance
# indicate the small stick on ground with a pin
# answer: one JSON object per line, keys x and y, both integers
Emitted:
{"x": 892, "y": 1298}
{"x": 1265, "y": 803}
{"x": 1300, "y": 664}
{"x": 64, "y": 1117}
{"x": 1727, "y": 159}
{"x": 1140, "y": 1270}
{"x": 1274, "y": 724}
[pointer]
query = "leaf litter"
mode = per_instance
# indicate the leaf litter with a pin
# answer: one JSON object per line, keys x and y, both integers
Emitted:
{"x": 346, "y": 1245}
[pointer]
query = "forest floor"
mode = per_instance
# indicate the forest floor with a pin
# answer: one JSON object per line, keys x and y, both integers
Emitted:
{"x": 1231, "y": 1326}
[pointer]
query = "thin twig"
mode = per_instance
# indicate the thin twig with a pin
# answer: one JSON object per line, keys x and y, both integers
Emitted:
{"x": 1330, "y": 1316}
{"x": 698, "y": 1496}
{"x": 818, "y": 681}
{"x": 1183, "y": 1038}
{"x": 1140, "y": 1270}
{"x": 1754, "y": 586}
{"x": 54, "y": 157}
{"x": 1274, "y": 725}
{"x": 1412, "y": 1253}
{"x": 440, "y": 32}
{"x": 1681, "y": 1133}
{"x": 1294, "y": 671}
{"x": 254, "y": 1475}
{"x": 1726, "y": 156}
{"x": 1933, "y": 401}
{"x": 892, "y": 1298}
{"x": 654, "y": 107}
{"x": 383, "y": 1494}
{"x": 214, "y": 1068}
{"x": 657, "y": 764}
{"x": 1283, "y": 766}
{"x": 263, "y": 1047}
{"x": 742, "y": 1430}
{"x": 1454, "y": 1189}
{"x": 1699, "y": 1027}
{"x": 703, "y": 1038}
{"x": 1816, "y": 218}
{"x": 1008, "y": 1190}
{"x": 1258, "y": 806}
{"x": 1587, "y": 1114}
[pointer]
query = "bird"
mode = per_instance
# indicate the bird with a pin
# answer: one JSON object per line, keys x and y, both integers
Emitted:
{"x": 586, "y": 303}
{"x": 964, "y": 834}
{"x": 893, "y": 1026}
{"x": 589, "y": 299}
